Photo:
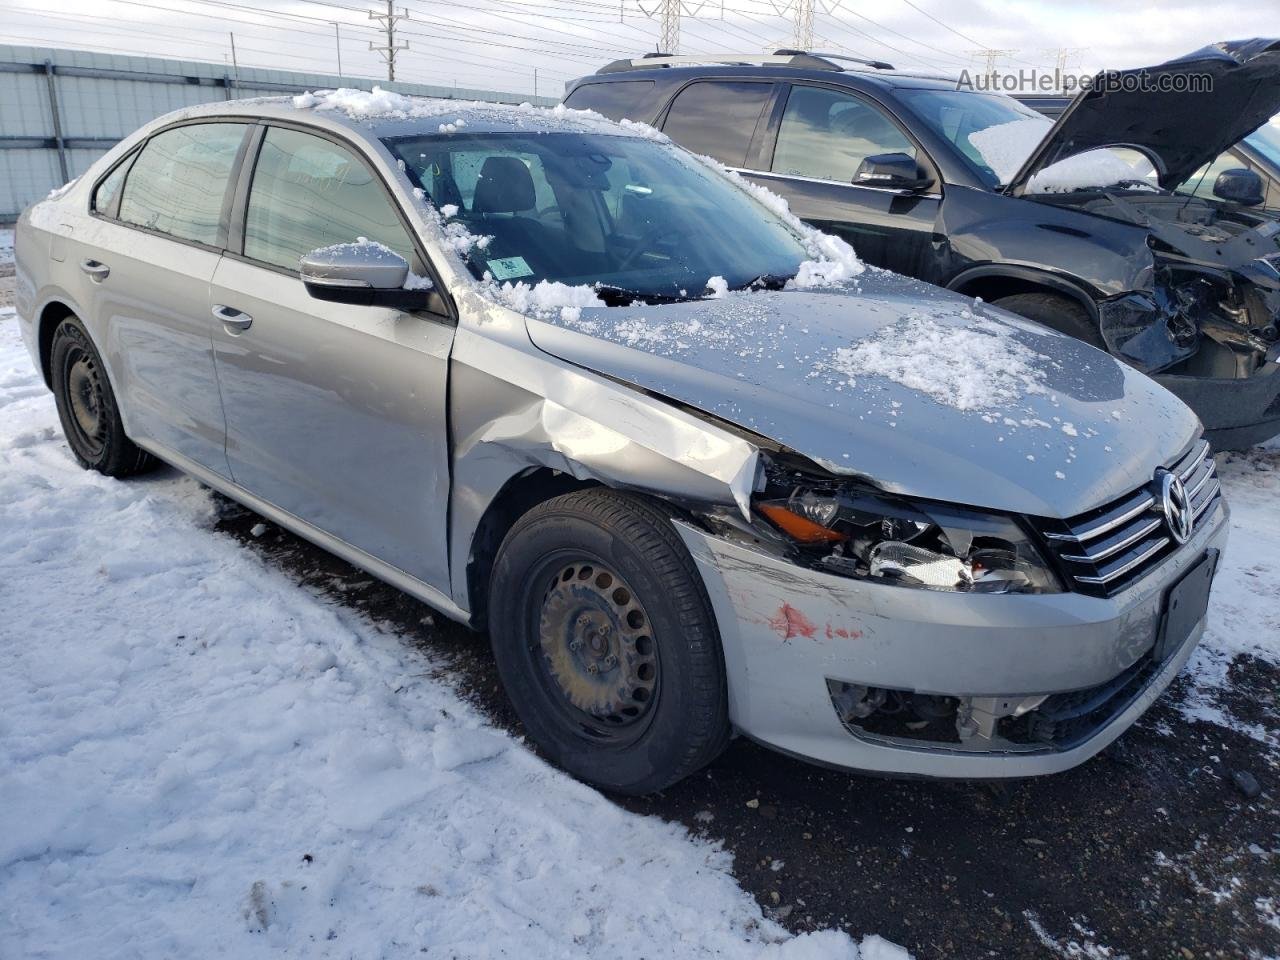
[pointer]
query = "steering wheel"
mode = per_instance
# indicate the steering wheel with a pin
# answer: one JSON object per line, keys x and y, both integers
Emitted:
{"x": 647, "y": 242}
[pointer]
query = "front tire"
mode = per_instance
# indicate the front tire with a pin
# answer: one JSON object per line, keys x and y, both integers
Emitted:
{"x": 606, "y": 643}
{"x": 1056, "y": 312}
{"x": 87, "y": 406}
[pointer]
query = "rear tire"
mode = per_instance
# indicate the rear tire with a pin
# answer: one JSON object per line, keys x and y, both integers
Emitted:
{"x": 606, "y": 643}
{"x": 87, "y": 406}
{"x": 1056, "y": 312}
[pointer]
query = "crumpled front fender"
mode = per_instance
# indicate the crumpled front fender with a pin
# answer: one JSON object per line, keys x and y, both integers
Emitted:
{"x": 513, "y": 409}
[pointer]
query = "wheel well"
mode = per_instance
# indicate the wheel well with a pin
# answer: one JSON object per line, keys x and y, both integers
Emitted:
{"x": 997, "y": 287}
{"x": 517, "y": 497}
{"x": 52, "y": 315}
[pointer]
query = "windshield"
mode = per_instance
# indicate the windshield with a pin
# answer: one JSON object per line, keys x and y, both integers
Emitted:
{"x": 637, "y": 218}
{"x": 993, "y": 133}
{"x": 1266, "y": 140}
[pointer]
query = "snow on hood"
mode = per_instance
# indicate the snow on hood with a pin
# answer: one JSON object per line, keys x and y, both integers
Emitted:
{"x": 924, "y": 392}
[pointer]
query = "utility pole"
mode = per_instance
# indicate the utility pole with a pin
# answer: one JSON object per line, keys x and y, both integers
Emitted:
{"x": 235, "y": 65}
{"x": 389, "y": 51}
{"x": 535, "y": 85}
{"x": 337, "y": 45}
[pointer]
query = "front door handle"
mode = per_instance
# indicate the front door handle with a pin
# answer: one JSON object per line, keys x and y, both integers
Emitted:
{"x": 236, "y": 321}
{"x": 97, "y": 271}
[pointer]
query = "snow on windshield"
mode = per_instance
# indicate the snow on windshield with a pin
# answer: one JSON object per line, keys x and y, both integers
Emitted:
{"x": 959, "y": 359}
{"x": 1005, "y": 147}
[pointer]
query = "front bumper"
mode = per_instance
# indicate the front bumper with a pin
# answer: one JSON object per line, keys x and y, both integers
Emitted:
{"x": 1236, "y": 413}
{"x": 787, "y": 630}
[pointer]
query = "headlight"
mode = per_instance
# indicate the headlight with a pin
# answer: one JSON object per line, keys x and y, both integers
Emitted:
{"x": 913, "y": 544}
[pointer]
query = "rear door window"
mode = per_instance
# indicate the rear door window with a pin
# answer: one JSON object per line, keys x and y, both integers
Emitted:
{"x": 177, "y": 184}
{"x": 826, "y": 134}
{"x": 718, "y": 118}
{"x": 308, "y": 193}
{"x": 629, "y": 99}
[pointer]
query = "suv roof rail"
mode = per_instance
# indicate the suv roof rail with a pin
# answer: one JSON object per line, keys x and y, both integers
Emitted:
{"x": 873, "y": 64}
{"x": 783, "y": 58}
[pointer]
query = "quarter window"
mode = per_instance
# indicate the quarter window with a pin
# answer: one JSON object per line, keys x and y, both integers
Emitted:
{"x": 108, "y": 191}
{"x": 177, "y": 184}
{"x": 308, "y": 193}
{"x": 826, "y": 135}
{"x": 621, "y": 98}
{"x": 718, "y": 118}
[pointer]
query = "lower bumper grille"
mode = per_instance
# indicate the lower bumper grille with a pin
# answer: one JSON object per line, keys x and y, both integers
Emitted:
{"x": 1107, "y": 549}
{"x": 1066, "y": 720}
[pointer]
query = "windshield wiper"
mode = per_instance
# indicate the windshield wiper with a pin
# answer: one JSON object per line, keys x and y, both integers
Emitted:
{"x": 767, "y": 281}
{"x": 616, "y": 296}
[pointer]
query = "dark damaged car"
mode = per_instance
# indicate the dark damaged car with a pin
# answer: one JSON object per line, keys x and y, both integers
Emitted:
{"x": 1073, "y": 223}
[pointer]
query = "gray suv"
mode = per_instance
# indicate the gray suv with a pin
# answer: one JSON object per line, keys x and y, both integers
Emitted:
{"x": 693, "y": 467}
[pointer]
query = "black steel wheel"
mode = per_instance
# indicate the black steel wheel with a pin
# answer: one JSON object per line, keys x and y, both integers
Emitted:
{"x": 87, "y": 406}
{"x": 606, "y": 643}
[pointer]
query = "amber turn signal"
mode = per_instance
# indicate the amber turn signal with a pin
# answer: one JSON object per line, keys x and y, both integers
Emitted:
{"x": 797, "y": 527}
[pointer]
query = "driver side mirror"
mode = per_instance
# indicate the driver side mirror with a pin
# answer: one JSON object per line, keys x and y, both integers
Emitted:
{"x": 365, "y": 274}
{"x": 1239, "y": 186}
{"x": 891, "y": 171}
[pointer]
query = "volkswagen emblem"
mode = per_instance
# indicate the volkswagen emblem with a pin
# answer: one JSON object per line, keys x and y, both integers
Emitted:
{"x": 1174, "y": 505}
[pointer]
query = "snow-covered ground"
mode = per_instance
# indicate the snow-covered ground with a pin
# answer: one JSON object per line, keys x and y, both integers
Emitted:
{"x": 198, "y": 757}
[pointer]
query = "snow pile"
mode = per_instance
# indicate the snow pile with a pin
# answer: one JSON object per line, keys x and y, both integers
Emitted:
{"x": 719, "y": 288}
{"x": 1094, "y": 168}
{"x": 832, "y": 261}
{"x": 965, "y": 362}
{"x": 1005, "y": 146}
{"x": 545, "y": 299}
{"x": 381, "y": 104}
{"x": 199, "y": 757}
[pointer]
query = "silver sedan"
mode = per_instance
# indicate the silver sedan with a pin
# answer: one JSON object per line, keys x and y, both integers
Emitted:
{"x": 694, "y": 470}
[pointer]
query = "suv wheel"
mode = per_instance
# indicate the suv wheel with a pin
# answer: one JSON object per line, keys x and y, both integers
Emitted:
{"x": 1056, "y": 312}
{"x": 606, "y": 643}
{"x": 87, "y": 407}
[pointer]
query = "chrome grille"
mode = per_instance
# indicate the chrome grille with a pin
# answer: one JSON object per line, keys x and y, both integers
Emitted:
{"x": 1105, "y": 550}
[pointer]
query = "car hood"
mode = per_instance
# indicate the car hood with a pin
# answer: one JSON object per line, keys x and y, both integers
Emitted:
{"x": 1185, "y": 130}
{"x": 916, "y": 389}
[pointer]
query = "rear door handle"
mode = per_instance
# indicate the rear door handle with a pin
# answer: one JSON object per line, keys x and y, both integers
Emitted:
{"x": 96, "y": 271}
{"x": 236, "y": 321}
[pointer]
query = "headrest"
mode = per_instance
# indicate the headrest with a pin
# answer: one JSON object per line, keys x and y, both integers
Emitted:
{"x": 504, "y": 187}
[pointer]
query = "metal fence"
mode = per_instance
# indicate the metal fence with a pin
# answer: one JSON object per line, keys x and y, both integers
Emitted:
{"x": 62, "y": 109}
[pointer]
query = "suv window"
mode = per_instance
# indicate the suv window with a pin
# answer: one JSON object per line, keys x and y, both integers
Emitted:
{"x": 826, "y": 135}
{"x": 177, "y": 183}
{"x": 616, "y": 100}
{"x": 309, "y": 192}
{"x": 718, "y": 118}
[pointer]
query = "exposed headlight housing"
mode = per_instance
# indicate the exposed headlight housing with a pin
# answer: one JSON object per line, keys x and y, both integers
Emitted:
{"x": 859, "y": 533}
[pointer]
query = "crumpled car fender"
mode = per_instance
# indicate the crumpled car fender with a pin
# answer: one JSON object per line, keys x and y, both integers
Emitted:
{"x": 513, "y": 408}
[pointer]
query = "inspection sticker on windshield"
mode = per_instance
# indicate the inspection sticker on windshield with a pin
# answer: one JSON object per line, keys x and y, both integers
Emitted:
{"x": 508, "y": 268}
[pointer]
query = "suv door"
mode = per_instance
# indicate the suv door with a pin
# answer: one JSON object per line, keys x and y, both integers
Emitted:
{"x": 335, "y": 413}
{"x": 146, "y": 268}
{"x": 815, "y": 143}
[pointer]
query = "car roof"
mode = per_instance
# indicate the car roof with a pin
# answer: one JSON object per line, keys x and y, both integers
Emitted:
{"x": 861, "y": 78}
{"x": 382, "y": 114}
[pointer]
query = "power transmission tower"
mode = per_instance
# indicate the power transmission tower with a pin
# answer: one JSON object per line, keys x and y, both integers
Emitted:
{"x": 389, "y": 51}
{"x": 991, "y": 57}
{"x": 669, "y": 12}
{"x": 1062, "y": 57}
{"x": 801, "y": 13}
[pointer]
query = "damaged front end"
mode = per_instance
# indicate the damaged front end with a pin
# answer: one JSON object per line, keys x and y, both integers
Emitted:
{"x": 1207, "y": 329}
